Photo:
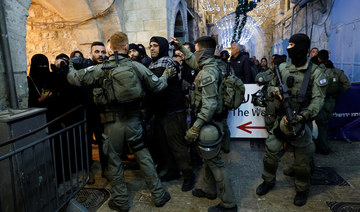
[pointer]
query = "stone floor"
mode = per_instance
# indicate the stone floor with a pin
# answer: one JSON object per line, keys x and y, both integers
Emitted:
{"x": 244, "y": 167}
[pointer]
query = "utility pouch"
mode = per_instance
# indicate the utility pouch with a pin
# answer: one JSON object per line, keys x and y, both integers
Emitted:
{"x": 99, "y": 97}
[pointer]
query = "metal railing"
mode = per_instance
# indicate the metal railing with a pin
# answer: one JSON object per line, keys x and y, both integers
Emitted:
{"x": 46, "y": 173}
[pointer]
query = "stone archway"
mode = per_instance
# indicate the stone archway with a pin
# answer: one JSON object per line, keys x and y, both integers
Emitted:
{"x": 177, "y": 15}
{"x": 59, "y": 26}
{"x": 79, "y": 36}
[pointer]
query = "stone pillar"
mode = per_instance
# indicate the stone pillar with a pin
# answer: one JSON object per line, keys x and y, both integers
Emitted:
{"x": 16, "y": 29}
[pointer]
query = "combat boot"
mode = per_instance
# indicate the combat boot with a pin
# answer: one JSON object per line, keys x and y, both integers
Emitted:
{"x": 188, "y": 183}
{"x": 114, "y": 206}
{"x": 263, "y": 188}
{"x": 301, "y": 197}
{"x": 219, "y": 208}
{"x": 200, "y": 193}
{"x": 164, "y": 200}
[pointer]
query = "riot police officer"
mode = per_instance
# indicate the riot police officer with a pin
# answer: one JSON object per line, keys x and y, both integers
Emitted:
{"x": 338, "y": 84}
{"x": 306, "y": 100}
{"x": 208, "y": 102}
{"x": 122, "y": 114}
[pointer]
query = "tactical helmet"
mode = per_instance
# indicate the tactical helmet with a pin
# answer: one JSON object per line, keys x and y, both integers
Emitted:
{"x": 258, "y": 99}
{"x": 292, "y": 132}
{"x": 263, "y": 78}
{"x": 209, "y": 141}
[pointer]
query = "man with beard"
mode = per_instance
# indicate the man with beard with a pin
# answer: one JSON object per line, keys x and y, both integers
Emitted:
{"x": 95, "y": 128}
{"x": 134, "y": 52}
{"x": 122, "y": 116}
{"x": 169, "y": 111}
{"x": 306, "y": 84}
{"x": 208, "y": 102}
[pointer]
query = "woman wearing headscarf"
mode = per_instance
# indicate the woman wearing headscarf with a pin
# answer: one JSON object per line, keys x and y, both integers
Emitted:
{"x": 39, "y": 81}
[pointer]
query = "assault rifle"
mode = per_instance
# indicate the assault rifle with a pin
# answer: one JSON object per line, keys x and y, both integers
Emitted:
{"x": 286, "y": 102}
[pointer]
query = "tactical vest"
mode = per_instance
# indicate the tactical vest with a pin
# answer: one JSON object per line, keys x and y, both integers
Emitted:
{"x": 293, "y": 80}
{"x": 118, "y": 83}
{"x": 196, "y": 94}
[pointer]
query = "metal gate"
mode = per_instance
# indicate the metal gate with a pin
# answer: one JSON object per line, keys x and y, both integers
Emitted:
{"x": 44, "y": 173}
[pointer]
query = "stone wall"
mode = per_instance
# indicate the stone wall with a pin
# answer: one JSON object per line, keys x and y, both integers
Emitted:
{"x": 309, "y": 20}
{"x": 16, "y": 36}
{"x": 47, "y": 39}
{"x": 145, "y": 19}
{"x": 140, "y": 19}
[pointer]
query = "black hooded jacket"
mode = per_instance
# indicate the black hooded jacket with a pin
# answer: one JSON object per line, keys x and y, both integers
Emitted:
{"x": 172, "y": 99}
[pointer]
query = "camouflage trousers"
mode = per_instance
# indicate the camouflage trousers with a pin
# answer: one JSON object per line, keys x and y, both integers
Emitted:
{"x": 126, "y": 129}
{"x": 214, "y": 176}
{"x": 322, "y": 121}
{"x": 275, "y": 149}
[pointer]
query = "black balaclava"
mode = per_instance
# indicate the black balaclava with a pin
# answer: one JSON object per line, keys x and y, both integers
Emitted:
{"x": 39, "y": 74}
{"x": 300, "y": 50}
{"x": 164, "y": 47}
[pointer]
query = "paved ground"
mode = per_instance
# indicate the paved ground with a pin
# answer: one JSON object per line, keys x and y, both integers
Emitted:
{"x": 244, "y": 166}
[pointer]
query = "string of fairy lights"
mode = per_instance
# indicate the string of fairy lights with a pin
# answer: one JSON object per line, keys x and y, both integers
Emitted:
{"x": 228, "y": 24}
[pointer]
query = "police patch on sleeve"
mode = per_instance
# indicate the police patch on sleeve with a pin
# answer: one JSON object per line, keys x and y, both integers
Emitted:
{"x": 206, "y": 80}
{"x": 154, "y": 78}
{"x": 323, "y": 81}
{"x": 88, "y": 68}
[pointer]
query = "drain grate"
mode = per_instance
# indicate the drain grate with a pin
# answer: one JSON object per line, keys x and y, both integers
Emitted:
{"x": 92, "y": 198}
{"x": 327, "y": 176}
{"x": 344, "y": 206}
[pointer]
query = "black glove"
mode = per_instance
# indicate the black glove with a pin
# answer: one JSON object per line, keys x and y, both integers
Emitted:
{"x": 81, "y": 63}
{"x": 63, "y": 69}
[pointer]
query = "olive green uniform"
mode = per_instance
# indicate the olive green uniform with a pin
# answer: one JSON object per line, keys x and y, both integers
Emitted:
{"x": 122, "y": 125}
{"x": 207, "y": 98}
{"x": 303, "y": 145}
{"x": 225, "y": 142}
{"x": 272, "y": 104}
{"x": 338, "y": 84}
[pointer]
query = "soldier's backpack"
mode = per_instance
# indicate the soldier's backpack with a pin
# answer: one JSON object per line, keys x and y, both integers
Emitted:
{"x": 119, "y": 83}
{"x": 234, "y": 90}
{"x": 333, "y": 81}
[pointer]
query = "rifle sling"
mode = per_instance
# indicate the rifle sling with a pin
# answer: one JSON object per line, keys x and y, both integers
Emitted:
{"x": 304, "y": 85}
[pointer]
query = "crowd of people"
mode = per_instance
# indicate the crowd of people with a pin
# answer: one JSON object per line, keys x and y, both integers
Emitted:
{"x": 159, "y": 108}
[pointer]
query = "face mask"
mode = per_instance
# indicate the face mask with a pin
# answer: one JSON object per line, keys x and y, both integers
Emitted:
{"x": 298, "y": 52}
{"x": 203, "y": 54}
{"x": 198, "y": 54}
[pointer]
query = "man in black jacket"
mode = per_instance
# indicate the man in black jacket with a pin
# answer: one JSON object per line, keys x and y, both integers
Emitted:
{"x": 168, "y": 108}
{"x": 241, "y": 63}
